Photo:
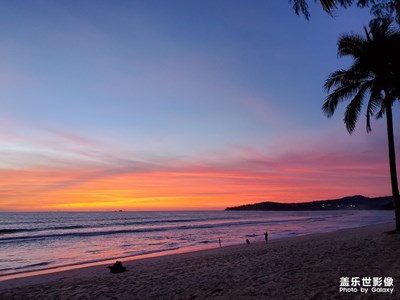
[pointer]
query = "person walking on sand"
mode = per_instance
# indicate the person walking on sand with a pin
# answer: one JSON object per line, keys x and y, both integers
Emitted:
{"x": 266, "y": 237}
{"x": 219, "y": 240}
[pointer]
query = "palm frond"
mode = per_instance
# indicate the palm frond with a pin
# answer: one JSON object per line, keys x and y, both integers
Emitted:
{"x": 329, "y": 105}
{"x": 356, "y": 73}
{"x": 354, "y": 108}
{"x": 330, "y": 5}
{"x": 301, "y": 6}
{"x": 382, "y": 30}
{"x": 340, "y": 94}
{"x": 351, "y": 45}
{"x": 337, "y": 78}
{"x": 381, "y": 112}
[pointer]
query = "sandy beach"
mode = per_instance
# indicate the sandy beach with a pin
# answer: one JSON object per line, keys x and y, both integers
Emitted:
{"x": 304, "y": 267}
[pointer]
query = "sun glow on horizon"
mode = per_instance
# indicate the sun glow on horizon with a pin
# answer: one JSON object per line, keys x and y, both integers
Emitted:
{"x": 184, "y": 186}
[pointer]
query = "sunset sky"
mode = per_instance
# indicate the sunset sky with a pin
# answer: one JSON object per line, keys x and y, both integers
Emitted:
{"x": 154, "y": 105}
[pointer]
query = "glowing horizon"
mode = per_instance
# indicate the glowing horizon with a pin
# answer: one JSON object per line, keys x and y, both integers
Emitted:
{"x": 236, "y": 177}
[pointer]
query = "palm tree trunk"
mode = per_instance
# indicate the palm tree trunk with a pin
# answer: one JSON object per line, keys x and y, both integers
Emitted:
{"x": 392, "y": 163}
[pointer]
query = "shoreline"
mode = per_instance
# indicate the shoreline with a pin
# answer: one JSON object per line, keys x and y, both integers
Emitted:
{"x": 293, "y": 264}
{"x": 103, "y": 262}
{"x": 129, "y": 258}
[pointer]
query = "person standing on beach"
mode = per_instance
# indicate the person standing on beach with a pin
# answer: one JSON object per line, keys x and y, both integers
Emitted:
{"x": 219, "y": 240}
{"x": 266, "y": 237}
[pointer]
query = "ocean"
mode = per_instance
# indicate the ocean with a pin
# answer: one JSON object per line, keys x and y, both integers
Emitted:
{"x": 54, "y": 240}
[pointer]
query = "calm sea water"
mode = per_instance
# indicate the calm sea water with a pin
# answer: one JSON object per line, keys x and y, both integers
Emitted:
{"x": 36, "y": 241}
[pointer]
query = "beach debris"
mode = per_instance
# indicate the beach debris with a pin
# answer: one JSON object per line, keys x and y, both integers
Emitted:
{"x": 117, "y": 267}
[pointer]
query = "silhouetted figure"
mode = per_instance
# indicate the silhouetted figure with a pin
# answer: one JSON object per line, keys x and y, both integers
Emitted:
{"x": 219, "y": 240}
{"x": 117, "y": 267}
{"x": 247, "y": 241}
{"x": 266, "y": 237}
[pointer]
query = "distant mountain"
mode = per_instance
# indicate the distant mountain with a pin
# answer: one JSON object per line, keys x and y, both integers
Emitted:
{"x": 353, "y": 202}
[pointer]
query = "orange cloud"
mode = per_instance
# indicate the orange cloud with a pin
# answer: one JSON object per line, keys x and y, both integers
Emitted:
{"x": 179, "y": 185}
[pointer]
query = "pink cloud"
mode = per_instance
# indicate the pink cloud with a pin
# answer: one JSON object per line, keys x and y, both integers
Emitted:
{"x": 232, "y": 182}
{"x": 312, "y": 169}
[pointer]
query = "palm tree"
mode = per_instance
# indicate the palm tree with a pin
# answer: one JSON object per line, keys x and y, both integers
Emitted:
{"x": 374, "y": 74}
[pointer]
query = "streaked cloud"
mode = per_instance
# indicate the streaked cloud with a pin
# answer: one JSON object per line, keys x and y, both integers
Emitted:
{"x": 244, "y": 176}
